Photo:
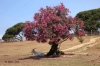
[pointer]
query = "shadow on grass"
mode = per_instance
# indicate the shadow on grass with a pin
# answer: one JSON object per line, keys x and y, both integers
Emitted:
{"x": 37, "y": 58}
{"x": 40, "y": 57}
{"x": 31, "y": 57}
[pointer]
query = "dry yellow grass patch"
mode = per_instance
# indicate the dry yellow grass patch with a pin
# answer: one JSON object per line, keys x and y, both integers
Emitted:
{"x": 17, "y": 50}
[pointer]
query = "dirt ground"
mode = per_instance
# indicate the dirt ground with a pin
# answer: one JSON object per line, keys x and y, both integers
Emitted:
{"x": 19, "y": 53}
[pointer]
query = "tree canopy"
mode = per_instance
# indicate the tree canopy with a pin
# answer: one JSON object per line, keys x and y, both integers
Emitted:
{"x": 91, "y": 18}
{"x": 13, "y": 31}
{"x": 53, "y": 25}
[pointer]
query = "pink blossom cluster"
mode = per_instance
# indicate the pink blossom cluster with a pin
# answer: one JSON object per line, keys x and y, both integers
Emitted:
{"x": 52, "y": 23}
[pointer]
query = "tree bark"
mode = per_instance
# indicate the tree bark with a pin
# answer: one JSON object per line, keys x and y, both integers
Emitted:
{"x": 53, "y": 49}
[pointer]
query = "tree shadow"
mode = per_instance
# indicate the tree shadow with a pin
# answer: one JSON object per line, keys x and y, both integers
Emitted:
{"x": 31, "y": 57}
{"x": 47, "y": 57}
{"x": 38, "y": 57}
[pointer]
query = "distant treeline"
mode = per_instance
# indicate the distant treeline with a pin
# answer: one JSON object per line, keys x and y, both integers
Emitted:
{"x": 91, "y": 18}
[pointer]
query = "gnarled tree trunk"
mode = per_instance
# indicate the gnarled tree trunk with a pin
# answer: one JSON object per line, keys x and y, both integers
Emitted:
{"x": 54, "y": 50}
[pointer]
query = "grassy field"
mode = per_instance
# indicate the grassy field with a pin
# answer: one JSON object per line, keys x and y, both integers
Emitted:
{"x": 19, "y": 54}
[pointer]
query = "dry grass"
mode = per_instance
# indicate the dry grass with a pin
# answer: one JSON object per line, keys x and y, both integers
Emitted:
{"x": 18, "y": 54}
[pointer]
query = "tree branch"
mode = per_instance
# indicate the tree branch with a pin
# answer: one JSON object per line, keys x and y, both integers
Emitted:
{"x": 62, "y": 40}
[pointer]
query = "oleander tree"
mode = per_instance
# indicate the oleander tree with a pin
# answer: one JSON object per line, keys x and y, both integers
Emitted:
{"x": 53, "y": 25}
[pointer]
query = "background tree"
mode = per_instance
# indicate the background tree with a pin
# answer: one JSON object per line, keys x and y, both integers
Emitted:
{"x": 91, "y": 18}
{"x": 13, "y": 32}
{"x": 53, "y": 25}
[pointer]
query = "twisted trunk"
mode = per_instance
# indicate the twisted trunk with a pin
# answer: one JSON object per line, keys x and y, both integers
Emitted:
{"x": 54, "y": 50}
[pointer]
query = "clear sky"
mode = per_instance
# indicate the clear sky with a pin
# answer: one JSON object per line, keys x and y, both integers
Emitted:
{"x": 14, "y": 11}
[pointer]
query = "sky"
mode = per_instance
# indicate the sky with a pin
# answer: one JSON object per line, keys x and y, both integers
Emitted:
{"x": 14, "y": 11}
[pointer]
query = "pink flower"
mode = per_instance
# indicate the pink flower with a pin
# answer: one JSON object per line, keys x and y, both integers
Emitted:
{"x": 51, "y": 23}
